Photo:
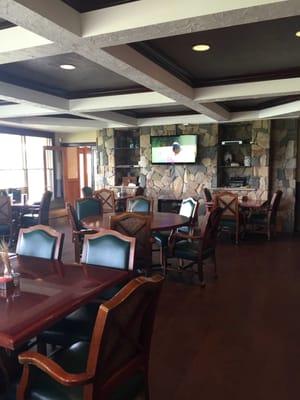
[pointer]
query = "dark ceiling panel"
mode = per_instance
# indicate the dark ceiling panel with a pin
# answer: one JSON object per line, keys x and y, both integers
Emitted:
{"x": 264, "y": 50}
{"x": 6, "y": 103}
{"x": 162, "y": 111}
{"x": 88, "y": 79}
{"x": 257, "y": 104}
{"x": 5, "y": 24}
{"x": 90, "y": 5}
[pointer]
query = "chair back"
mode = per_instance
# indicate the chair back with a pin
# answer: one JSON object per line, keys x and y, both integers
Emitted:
{"x": 121, "y": 339}
{"x": 209, "y": 228}
{"x": 188, "y": 208}
{"x": 87, "y": 192}
{"x": 207, "y": 194}
{"x": 73, "y": 219}
{"x": 139, "y": 204}
{"x": 137, "y": 226}
{"x": 40, "y": 241}
{"x": 109, "y": 249}
{"x": 88, "y": 207}
{"x": 229, "y": 203}
{"x": 43, "y": 218}
{"x": 274, "y": 205}
{"x": 5, "y": 210}
{"x": 107, "y": 198}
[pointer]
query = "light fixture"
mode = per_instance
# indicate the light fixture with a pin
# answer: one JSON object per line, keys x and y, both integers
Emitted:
{"x": 201, "y": 47}
{"x": 298, "y": 34}
{"x": 68, "y": 67}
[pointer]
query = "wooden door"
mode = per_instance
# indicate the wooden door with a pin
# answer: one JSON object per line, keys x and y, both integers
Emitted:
{"x": 75, "y": 170}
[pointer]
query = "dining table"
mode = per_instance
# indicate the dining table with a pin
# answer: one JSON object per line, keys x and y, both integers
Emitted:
{"x": 160, "y": 221}
{"x": 47, "y": 291}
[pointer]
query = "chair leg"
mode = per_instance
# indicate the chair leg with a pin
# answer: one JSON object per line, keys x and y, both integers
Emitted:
{"x": 77, "y": 251}
{"x": 200, "y": 273}
{"x": 41, "y": 346}
{"x": 215, "y": 266}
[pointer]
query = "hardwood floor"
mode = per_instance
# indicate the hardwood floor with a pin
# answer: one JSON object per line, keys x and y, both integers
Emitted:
{"x": 236, "y": 339}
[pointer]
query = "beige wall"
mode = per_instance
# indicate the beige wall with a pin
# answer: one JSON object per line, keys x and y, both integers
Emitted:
{"x": 76, "y": 137}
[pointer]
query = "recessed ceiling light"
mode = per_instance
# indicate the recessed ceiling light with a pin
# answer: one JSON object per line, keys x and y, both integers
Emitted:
{"x": 201, "y": 47}
{"x": 298, "y": 34}
{"x": 68, "y": 67}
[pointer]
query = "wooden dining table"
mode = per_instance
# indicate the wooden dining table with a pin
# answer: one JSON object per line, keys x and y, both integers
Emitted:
{"x": 160, "y": 221}
{"x": 48, "y": 291}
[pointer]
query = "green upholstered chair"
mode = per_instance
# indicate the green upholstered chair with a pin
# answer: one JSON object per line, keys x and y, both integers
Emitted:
{"x": 107, "y": 248}
{"x": 189, "y": 209}
{"x": 88, "y": 207}
{"x": 264, "y": 220}
{"x": 196, "y": 248}
{"x": 87, "y": 192}
{"x": 114, "y": 365}
{"x": 40, "y": 241}
{"x": 232, "y": 220}
{"x": 38, "y": 214}
{"x": 139, "y": 204}
{"x": 5, "y": 217}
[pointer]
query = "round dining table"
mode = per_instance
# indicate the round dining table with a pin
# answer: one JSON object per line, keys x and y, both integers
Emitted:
{"x": 160, "y": 221}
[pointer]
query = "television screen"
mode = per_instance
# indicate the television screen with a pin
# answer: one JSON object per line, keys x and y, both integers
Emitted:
{"x": 180, "y": 149}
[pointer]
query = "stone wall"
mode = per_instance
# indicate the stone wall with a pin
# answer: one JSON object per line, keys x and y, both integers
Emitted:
{"x": 283, "y": 168}
{"x": 106, "y": 158}
{"x": 176, "y": 181}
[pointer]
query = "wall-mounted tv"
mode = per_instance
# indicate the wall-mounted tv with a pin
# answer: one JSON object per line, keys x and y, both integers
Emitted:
{"x": 180, "y": 149}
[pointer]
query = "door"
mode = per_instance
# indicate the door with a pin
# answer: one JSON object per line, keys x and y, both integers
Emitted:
{"x": 74, "y": 169}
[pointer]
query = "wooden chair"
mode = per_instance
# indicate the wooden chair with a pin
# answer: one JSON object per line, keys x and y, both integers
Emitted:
{"x": 139, "y": 204}
{"x": 232, "y": 219}
{"x": 107, "y": 248}
{"x": 113, "y": 365}
{"x": 189, "y": 209}
{"x": 139, "y": 227}
{"x": 6, "y": 222}
{"x": 197, "y": 247}
{"x": 39, "y": 214}
{"x": 88, "y": 207}
{"x": 78, "y": 231}
{"x": 107, "y": 198}
{"x": 40, "y": 241}
{"x": 264, "y": 220}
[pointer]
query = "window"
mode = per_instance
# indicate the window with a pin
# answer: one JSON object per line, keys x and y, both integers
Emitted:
{"x": 22, "y": 165}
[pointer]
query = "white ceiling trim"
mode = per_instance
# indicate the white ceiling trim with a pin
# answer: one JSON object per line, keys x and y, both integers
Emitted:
{"x": 120, "y": 102}
{"x": 16, "y": 38}
{"x": 125, "y": 23}
{"x": 249, "y": 90}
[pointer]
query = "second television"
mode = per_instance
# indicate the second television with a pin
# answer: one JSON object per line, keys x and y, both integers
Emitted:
{"x": 180, "y": 149}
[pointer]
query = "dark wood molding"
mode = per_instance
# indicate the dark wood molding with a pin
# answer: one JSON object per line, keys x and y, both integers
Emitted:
{"x": 25, "y": 132}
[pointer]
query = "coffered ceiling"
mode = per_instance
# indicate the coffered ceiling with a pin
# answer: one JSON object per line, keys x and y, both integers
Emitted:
{"x": 134, "y": 64}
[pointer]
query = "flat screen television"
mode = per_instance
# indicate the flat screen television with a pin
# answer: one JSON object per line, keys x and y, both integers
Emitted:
{"x": 180, "y": 149}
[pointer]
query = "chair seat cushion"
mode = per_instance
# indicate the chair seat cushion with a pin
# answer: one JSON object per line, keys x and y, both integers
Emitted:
{"x": 257, "y": 218}
{"x": 228, "y": 223}
{"x": 77, "y": 326}
{"x": 74, "y": 360}
{"x": 4, "y": 229}
{"x": 190, "y": 250}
